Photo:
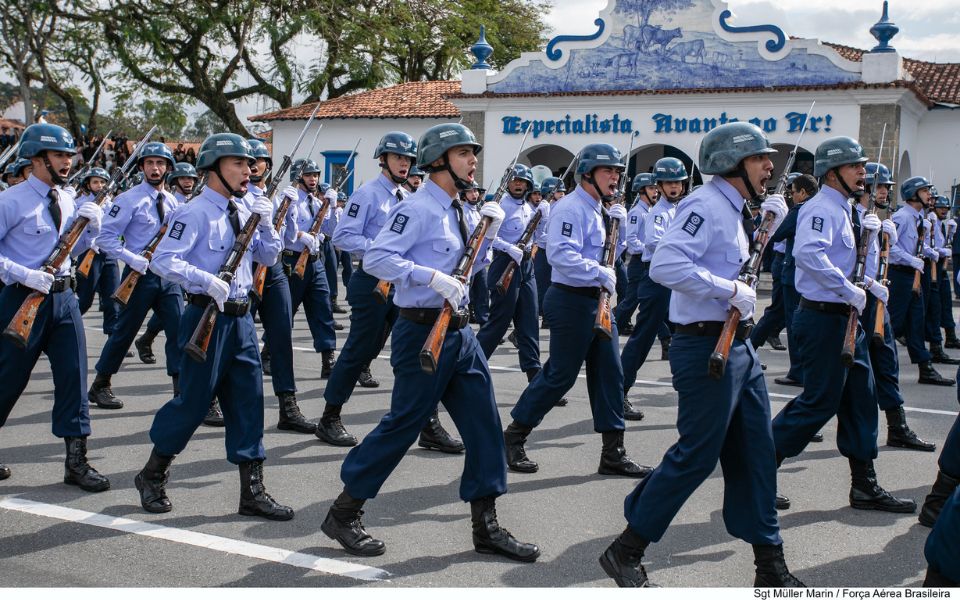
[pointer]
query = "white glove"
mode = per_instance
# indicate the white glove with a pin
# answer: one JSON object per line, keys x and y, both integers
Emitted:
{"x": 38, "y": 280}
{"x": 926, "y": 224}
{"x": 608, "y": 279}
{"x": 932, "y": 217}
{"x": 951, "y": 226}
{"x": 139, "y": 264}
{"x": 310, "y": 242}
{"x": 617, "y": 211}
{"x": 931, "y": 253}
{"x": 744, "y": 298}
{"x": 263, "y": 207}
{"x": 870, "y": 223}
{"x": 291, "y": 192}
{"x": 916, "y": 263}
{"x": 219, "y": 290}
{"x": 331, "y": 195}
{"x": 890, "y": 228}
{"x": 451, "y": 288}
{"x": 515, "y": 253}
{"x": 492, "y": 210}
{"x": 778, "y": 206}
{"x": 879, "y": 290}
{"x": 93, "y": 213}
{"x": 321, "y": 238}
{"x": 859, "y": 300}
{"x": 944, "y": 252}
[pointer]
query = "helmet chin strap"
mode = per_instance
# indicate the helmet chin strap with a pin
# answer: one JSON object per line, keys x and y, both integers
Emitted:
{"x": 54, "y": 175}
{"x": 588, "y": 177}
{"x": 396, "y": 179}
{"x": 461, "y": 184}
{"x": 846, "y": 188}
{"x": 741, "y": 172}
{"x": 233, "y": 192}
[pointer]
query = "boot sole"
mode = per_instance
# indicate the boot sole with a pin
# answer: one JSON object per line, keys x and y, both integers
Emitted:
{"x": 250, "y": 512}
{"x": 911, "y": 447}
{"x": 150, "y": 509}
{"x": 633, "y": 417}
{"x": 518, "y": 558}
{"x": 296, "y": 428}
{"x": 93, "y": 489}
{"x": 439, "y": 448}
{"x": 607, "y": 471}
{"x": 349, "y": 550}
{"x": 517, "y": 469}
{"x": 612, "y": 573}
{"x": 338, "y": 443}
{"x": 898, "y": 510}
{"x": 117, "y": 406}
{"x": 946, "y": 383}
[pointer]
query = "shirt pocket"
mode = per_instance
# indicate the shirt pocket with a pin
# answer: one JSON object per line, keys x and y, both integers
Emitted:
{"x": 443, "y": 247}
{"x": 736, "y": 256}
{"x": 378, "y": 218}
{"x": 847, "y": 238}
{"x": 595, "y": 239}
{"x": 218, "y": 240}
{"x": 37, "y": 229}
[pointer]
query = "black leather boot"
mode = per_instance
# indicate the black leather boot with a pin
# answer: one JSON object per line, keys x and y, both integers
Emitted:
{"x": 144, "y": 346}
{"x": 772, "y": 568}
{"x": 941, "y": 357}
{"x": 490, "y": 538}
{"x": 630, "y": 412}
{"x": 214, "y": 416}
{"x": 930, "y": 376}
{"x": 434, "y": 437}
{"x": 774, "y": 342}
{"x": 866, "y": 493}
{"x": 781, "y": 502}
{"x": 951, "y": 340}
{"x": 254, "y": 499}
{"x": 336, "y": 308}
{"x": 77, "y": 471}
{"x": 622, "y": 560}
{"x": 366, "y": 378}
{"x": 899, "y": 434}
{"x": 265, "y": 361}
{"x": 102, "y": 394}
{"x": 343, "y": 525}
{"x": 936, "y": 579}
{"x": 291, "y": 419}
{"x": 4, "y": 472}
{"x": 330, "y": 428}
{"x": 327, "y": 358}
{"x": 665, "y": 349}
{"x": 514, "y": 437}
{"x": 942, "y": 489}
{"x": 151, "y": 482}
{"x": 614, "y": 459}
{"x": 512, "y": 338}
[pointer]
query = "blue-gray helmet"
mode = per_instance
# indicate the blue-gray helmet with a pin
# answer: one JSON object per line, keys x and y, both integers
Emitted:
{"x": 724, "y": 147}
{"x": 835, "y": 152}
{"x": 791, "y": 177}
{"x": 878, "y": 173}
{"x": 642, "y": 180}
{"x": 435, "y": 142}
{"x": 16, "y": 168}
{"x": 910, "y": 187}
{"x": 669, "y": 168}
{"x": 323, "y": 187}
{"x": 341, "y": 196}
{"x": 94, "y": 172}
{"x": 522, "y": 172}
{"x": 599, "y": 155}
{"x": 183, "y": 169}
{"x": 42, "y": 137}
{"x": 220, "y": 145}
{"x": 397, "y": 142}
{"x": 259, "y": 150}
{"x": 157, "y": 149}
{"x": 941, "y": 202}
{"x": 549, "y": 183}
{"x": 416, "y": 171}
{"x": 301, "y": 167}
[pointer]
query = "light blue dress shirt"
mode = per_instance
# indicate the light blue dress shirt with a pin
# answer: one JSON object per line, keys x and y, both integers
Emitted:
{"x": 825, "y": 249}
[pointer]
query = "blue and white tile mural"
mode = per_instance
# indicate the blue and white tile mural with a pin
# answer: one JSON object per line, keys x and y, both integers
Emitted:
{"x": 673, "y": 44}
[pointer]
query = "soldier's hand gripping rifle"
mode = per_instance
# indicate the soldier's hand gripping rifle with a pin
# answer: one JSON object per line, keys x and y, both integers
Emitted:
{"x": 603, "y": 325}
{"x": 301, "y": 267}
{"x": 430, "y": 353}
{"x": 934, "y": 263}
{"x": 18, "y": 331}
{"x": 883, "y": 266}
{"x": 750, "y": 271}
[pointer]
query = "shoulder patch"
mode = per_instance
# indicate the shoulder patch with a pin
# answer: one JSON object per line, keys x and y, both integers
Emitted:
{"x": 353, "y": 210}
{"x": 658, "y": 219}
{"x": 567, "y": 229}
{"x": 693, "y": 223}
{"x": 633, "y": 220}
{"x": 399, "y": 223}
{"x": 114, "y": 211}
{"x": 176, "y": 231}
{"x": 818, "y": 224}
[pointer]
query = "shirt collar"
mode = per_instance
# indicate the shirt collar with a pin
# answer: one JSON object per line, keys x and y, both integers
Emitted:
{"x": 909, "y": 209}
{"x": 38, "y": 186}
{"x": 585, "y": 198}
{"x": 214, "y": 198}
{"x": 729, "y": 192}
{"x": 436, "y": 192}
{"x": 834, "y": 195}
{"x": 388, "y": 184}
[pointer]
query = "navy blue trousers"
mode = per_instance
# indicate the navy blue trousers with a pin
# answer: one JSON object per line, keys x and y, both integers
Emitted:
{"x": 543, "y": 273}
{"x": 949, "y": 460}
{"x": 276, "y": 315}
{"x": 883, "y": 358}
{"x": 232, "y": 373}
{"x": 166, "y": 300}
{"x": 155, "y": 324}
{"x": 621, "y": 270}
{"x": 652, "y": 308}
{"x": 627, "y": 303}
{"x": 103, "y": 279}
{"x": 330, "y": 267}
{"x": 955, "y": 262}
{"x": 835, "y": 390}
{"x": 946, "y": 301}
{"x": 346, "y": 265}
{"x": 519, "y": 305}
{"x": 726, "y": 420}
{"x": 931, "y": 293}
{"x": 791, "y": 300}
{"x": 58, "y": 333}
{"x": 774, "y": 317}
{"x": 573, "y": 342}
{"x": 462, "y": 383}
{"x": 942, "y": 549}
{"x": 480, "y": 297}
{"x": 907, "y": 314}
{"x": 313, "y": 292}
{"x": 370, "y": 324}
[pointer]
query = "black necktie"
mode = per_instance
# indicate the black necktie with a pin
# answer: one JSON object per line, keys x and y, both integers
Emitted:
{"x": 233, "y": 216}
{"x": 855, "y": 221}
{"x": 399, "y": 195}
{"x": 313, "y": 211}
{"x": 748, "y": 223}
{"x": 160, "y": 206}
{"x": 458, "y": 207}
{"x": 54, "y": 207}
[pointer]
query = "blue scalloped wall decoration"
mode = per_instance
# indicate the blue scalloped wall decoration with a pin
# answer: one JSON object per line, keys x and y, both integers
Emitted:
{"x": 668, "y": 44}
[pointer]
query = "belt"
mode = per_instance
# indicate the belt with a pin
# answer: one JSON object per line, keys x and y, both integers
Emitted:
{"x": 311, "y": 258}
{"x": 589, "y": 292}
{"x": 833, "y": 308}
{"x": 234, "y": 308}
{"x": 903, "y": 268}
{"x": 428, "y": 316}
{"x": 60, "y": 284}
{"x": 715, "y": 328}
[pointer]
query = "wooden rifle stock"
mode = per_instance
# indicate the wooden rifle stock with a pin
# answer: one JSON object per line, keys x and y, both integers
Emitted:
{"x": 933, "y": 263}
{"x": 850, "y": 338}
{"x": 506, "y": 278}
{"x": 122, "y": 294}
{"x": 603, "y": 325}
{"x": 878, "y": 319}
{"x": 301, "y": 265}
{"x": 260, "y": 271}
{"x": 717, "y": 363}
{"x": 196, "y": 348}
{"x": 382, "y": 291}
{"x": 86, "y": 264}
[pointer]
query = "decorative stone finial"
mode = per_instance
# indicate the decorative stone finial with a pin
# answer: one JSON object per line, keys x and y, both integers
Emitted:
{"x": 883, "y": 31}
{"x": 482, "y": 50}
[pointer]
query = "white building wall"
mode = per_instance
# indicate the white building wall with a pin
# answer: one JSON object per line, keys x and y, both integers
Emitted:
{"x": 938, "y": 149}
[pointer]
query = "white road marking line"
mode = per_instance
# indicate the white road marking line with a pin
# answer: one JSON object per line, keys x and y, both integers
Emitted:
{"x": 194, "y": 538}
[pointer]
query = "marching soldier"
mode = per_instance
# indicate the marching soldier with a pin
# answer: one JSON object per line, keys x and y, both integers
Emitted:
{"x": 330, "y": 264}
{"x": 414, "y": 179}
{"x": 940, "y": 305}
{"x": 134, "y": 219}
{"x": 104, "y": 275}
{"x": 825, "y": 250}
{"x": 948, "y": 230}
{"x": 370, "y": 318}
{"x": 479, "y": 292}
{"x": 942, "y": 549}
{"x": 552, "y": 189}
{"x": 17, "y": 171}
{"x": 575, "y": 240}
{"x": 181, "y": 180}
{"x": 699, "y": 258}
{"x": 33, "y": 216}
{"x": 518, "y": 303}
{"x": 653, "y": 299}
{"x": 419, "y": 244}
{"x": 191, "y": 254}
{"x": 907, "y": 304}
{"x": 646, "y": 193}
